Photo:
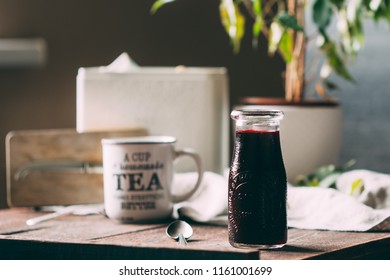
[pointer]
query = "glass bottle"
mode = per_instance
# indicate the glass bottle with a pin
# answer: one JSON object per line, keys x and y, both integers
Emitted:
{"x": 257, "y": 181}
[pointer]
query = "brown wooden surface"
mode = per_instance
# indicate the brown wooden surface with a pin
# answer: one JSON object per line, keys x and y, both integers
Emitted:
{"x": 96, "y": 237}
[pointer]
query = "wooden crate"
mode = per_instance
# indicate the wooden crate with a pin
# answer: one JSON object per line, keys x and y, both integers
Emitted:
{"x": 51, "y": 186}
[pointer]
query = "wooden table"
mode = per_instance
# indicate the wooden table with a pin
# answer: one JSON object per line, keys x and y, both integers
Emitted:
{"x": 96, "y": 237}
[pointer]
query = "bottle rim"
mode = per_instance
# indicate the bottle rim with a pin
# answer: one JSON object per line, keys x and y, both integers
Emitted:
{"x": 265, "y": 114}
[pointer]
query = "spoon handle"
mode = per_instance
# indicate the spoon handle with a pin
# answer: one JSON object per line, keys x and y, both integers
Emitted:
{"x": 182, "y": 240}
{"x": 66, "y": 210}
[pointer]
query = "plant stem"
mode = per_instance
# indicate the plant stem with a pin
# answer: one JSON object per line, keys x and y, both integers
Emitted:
{"x": 294, "y": 84}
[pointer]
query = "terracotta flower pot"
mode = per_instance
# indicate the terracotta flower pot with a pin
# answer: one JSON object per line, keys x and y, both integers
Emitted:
{"x": 311, "y": 132}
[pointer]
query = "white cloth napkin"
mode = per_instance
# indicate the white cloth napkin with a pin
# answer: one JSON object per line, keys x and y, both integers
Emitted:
{"x": 208, "y": 204}
{"x": 330, "y": 209}
{"x": 308, "y": 207}
{"x": 376, "y": 192}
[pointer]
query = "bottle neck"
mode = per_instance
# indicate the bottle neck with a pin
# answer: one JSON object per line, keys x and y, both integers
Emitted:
{"x": 257, "y": 125}
{"x": 257, "y": 119}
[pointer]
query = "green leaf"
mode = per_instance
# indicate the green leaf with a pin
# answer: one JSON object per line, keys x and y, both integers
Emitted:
{"x": 351, "y": 31}
{"x": 304, "y": 181}
{"x": 335, "y": 61}
{"x": 275, "y": 35}
{"x": 381, "y": 9}
{"x": 257, "y": 7}
{"x": 289, "y": 21}
{"x": 258, "y": 24}
{"x": 347, "y": 165}
{"x": 325, "y": 176}
{"x": 353, "y": 10}
{"x": 240, "y": 29}
{"x": 286, "y": 46}
{"x": 322, "y": 13}
{"x": 386, "y": 12}
{"x": 158, "y": 4}
{"x": 357, "y": 36}
{"x": 330, "y": 85}
{"x": 357, "y": 187}
{"x": 233, "y": 21}
{"x": 374, "y": 5}
{"x": 314, "y": 179}
{"x": 350, "y": 28}
{"x": 324, "y": 171}
{"x": 330, "y": 180}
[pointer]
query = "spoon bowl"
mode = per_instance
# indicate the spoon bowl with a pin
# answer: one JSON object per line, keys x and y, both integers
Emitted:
{"x": 179, "y": 230}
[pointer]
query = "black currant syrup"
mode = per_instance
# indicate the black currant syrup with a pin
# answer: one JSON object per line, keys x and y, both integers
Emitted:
{"x": 257, "y": 191}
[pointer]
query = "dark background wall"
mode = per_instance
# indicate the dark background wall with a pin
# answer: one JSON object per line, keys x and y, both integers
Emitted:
{"x": 94, "y": 32}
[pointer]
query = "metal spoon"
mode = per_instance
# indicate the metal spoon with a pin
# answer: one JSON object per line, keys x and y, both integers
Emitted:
{"x": 179, "y": 230}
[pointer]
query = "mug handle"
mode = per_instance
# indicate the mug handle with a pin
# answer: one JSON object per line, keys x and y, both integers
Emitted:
{"x": 199, "y": 165}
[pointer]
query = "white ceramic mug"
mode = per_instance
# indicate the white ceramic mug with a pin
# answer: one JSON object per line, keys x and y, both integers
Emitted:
{"x": 138, "y": 173}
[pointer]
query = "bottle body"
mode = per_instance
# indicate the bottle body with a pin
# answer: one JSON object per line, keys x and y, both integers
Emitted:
{"x": 257, "y": 182}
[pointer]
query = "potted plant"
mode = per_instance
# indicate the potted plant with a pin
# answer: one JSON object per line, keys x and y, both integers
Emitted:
{"x": 312, "y": 129}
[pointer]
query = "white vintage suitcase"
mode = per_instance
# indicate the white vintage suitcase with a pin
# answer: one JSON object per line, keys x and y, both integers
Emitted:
{"x": 188, "y": 103}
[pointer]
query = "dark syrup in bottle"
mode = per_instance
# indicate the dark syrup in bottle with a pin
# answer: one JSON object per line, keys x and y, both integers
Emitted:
{"x": 257, "y": 191}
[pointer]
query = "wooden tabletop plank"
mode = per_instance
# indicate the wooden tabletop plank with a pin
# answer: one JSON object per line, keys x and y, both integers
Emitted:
{"x": 97, "y": 237}
{"x": 68, "y": 228}
{"x": 206, "y": 239}
{"x": 312, "y": 244}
